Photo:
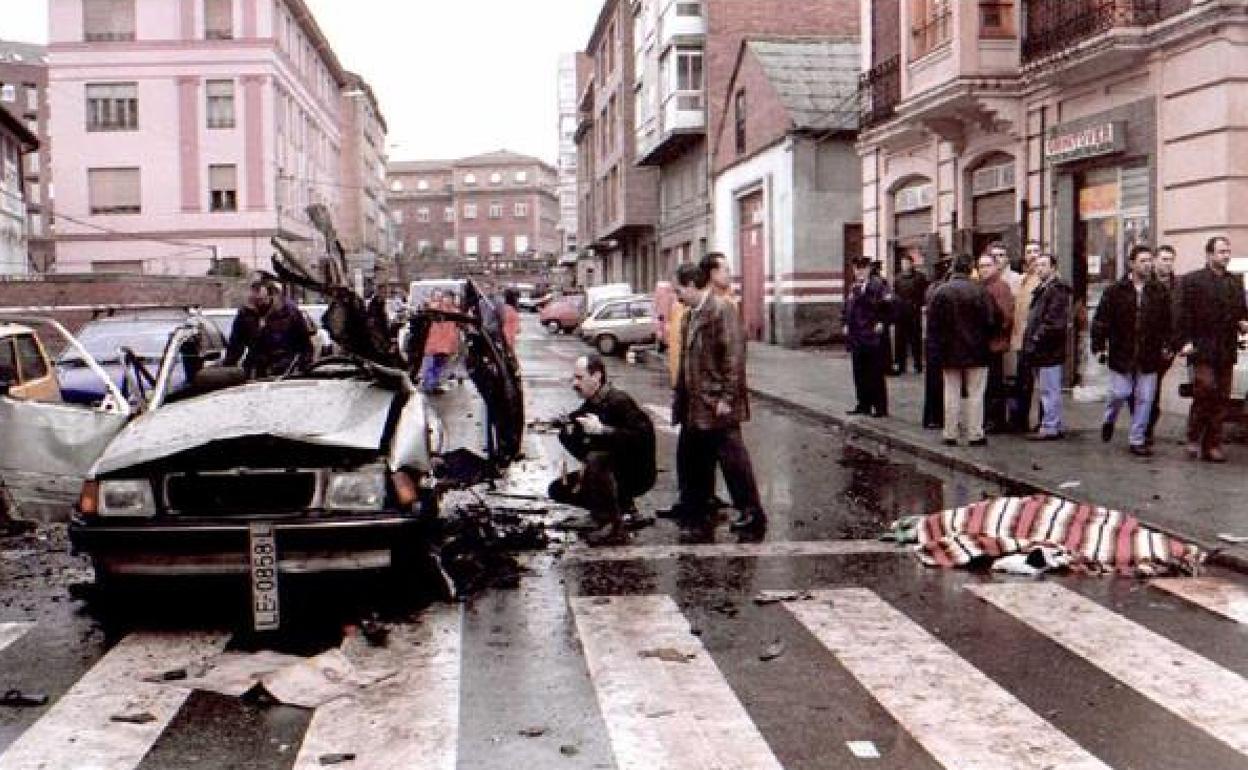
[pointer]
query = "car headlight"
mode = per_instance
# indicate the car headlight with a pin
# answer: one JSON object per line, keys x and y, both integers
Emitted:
{"x": 126, "y": 497}
{"x": 356, "y": 491}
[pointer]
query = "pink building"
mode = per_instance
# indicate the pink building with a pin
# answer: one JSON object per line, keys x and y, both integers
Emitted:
{"x": 189, "y": 132}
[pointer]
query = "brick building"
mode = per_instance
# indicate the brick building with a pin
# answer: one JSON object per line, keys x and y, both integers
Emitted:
{"x": 687, "y": 52}
{"x": 618, "y": 199}
{"x": 363, "y": 218}
{"x": 496, "y": 212}
{"x": 23, "y": 92}
{"x": 1088, "y": 126}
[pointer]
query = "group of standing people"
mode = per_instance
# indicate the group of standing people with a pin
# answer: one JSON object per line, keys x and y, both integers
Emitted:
{"x": 997, "y": 339}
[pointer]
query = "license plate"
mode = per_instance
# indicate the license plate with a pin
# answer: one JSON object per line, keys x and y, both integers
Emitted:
{"x": 266, "y": 615}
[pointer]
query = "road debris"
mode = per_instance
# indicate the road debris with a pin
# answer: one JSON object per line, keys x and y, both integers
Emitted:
{"x": 568, "y": 750}
{"x": 139, "y": 718}
{"x": 20, "y": 699}
{"x": 336, "y": 759}
{"x": 772, "y": 651}
{"x": 1227, "y": 537}
{"x": 668, "y": 655}
{"x": 280, "y": 678}
{"x": 773, "y": 597}
{"x": 863, "y": 749}
{"x": 532, "y": 732}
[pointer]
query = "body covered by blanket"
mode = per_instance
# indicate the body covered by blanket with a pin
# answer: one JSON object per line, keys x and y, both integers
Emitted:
{"x": 1099, "y": 539}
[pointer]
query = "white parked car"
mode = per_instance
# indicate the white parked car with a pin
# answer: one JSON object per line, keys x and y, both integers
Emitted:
{"x": 616, "y": 324}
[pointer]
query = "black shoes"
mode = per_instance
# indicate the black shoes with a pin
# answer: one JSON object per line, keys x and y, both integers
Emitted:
{"x": 610, "y": 533}
{"x": 748, "y": 522}
{"x": 978, "y": 442}
{"x": 949, "y": 442}
{"x": 1107, "y": 431}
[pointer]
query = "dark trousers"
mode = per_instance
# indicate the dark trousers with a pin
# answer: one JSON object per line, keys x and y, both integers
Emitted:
{"x": 705, "y": 448}
{"x": 869, "y": 384}
{"x": 995, "y": 394}
{"x": 1155, "y": 413}
{"x": 593, "y": 487}
{"x": 933, "y": 394}
{"x": 909, "y": 343}
{"x": 1018, "y": 412}
{"x": 1211, "y": 389}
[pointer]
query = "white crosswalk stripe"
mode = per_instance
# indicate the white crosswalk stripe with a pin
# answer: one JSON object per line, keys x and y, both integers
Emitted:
{"x": 664, "y": 700}
{"x": 78, "y": 732}
{"x": 921, "y": 682}
{"x": 1198, "y": 690}
{"x": 1218, "y": 596}
{"x": 11, "y": 632}
{"x": 408, "y": 721}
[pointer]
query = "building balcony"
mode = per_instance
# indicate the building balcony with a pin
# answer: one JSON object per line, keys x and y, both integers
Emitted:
{"x": 1055, "y": 26}
{"x": 879, "y": 91}
{"x": 683, "y": 21}
{"x": 681, "y": 123}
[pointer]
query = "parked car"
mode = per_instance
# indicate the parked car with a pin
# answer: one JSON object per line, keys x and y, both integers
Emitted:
{"x": 619, "y": 323}
{"x": 563, "y": 314}
{"x": 596, "y": 295}
{"x": 26, "y": 370}
{"x": 130, "y": 346}
{"x": 535, "y": 302}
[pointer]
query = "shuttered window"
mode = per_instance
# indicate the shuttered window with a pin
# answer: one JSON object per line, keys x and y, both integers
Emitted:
{"x": 220, "y": 108}
{"x": 112, "y": 106}
{"x": 114, "y": 191}
{"x": 218, "y": 19}
{"x": 223, "y": 188}
{"x": 108, "y": 20}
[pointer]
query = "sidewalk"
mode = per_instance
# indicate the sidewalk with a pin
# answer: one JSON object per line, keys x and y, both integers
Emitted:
{"x": 1191, "y": 499}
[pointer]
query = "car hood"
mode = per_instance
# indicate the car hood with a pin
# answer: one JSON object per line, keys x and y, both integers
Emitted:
{"x": 340, "y": 413}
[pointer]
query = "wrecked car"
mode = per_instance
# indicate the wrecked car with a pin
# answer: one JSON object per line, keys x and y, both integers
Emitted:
{"x": 338, "y": 468}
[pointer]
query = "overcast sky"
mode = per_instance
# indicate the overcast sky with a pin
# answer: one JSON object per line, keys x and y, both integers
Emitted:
{"x": 454, "y": 77}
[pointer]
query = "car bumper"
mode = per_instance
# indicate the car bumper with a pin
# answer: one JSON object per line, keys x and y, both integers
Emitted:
{"x": 181, "y": 548}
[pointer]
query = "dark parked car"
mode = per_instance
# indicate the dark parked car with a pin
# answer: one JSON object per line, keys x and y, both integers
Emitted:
{"x": 129, "y": 344}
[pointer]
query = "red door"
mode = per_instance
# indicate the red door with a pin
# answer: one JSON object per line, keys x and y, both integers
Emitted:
{"x": 753, "y": 249}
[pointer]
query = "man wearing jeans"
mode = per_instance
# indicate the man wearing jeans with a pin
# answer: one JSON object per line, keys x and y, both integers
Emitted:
{"x": 962, "y": 317}
{"x": 1044, "y": 344}
{"x": 1211, "y": 313}
{"x": 1132, "y": 323}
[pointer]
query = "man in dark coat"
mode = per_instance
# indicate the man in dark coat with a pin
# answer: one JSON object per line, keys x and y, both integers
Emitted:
{"x": 1132, "y": 323}
{"x": 1044, "y": 344}
{"x": 709, "y": 404}
{"x": 962, "y": 318}
{"x": 866, "y": 313}
{"x": 614, "y": 439}
{"x": 1211, "y": 313}
{"x": 911, "y": 290}
{"x": 933, "y": 377}
{"x": 994, "y": 282}
{"x": 1163, "y": 272}
{"x": 270, "y": 330}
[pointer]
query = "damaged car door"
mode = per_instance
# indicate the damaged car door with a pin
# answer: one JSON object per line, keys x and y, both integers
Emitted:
{"x": 47, "y": 447}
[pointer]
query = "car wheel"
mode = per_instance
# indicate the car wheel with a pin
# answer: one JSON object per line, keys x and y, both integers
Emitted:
{"x": 607, "y": 345}
{"x": 553, "y": 327}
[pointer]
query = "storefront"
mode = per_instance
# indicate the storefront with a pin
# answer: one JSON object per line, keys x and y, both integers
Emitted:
{"x": 993, "y": 207}
{"x": 914, "y": 229}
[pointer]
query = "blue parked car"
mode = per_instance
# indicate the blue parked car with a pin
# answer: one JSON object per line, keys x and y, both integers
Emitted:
{"x": 145, "y": 334}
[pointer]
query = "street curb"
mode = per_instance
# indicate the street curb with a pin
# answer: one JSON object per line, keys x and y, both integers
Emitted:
{"x": 1218, "y": 554}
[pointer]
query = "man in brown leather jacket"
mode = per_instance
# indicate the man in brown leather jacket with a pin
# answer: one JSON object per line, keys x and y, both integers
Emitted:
{"x": 709, "y": 403}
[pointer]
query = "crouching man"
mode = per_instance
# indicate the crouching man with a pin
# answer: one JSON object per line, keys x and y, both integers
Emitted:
{"x": 614, "y": 440}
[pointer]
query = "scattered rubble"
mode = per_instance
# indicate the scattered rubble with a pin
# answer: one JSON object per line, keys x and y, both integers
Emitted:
{"x": 668, "y": 655}
{"x": 773, "y": 597}
{"x": 772, "y": 651}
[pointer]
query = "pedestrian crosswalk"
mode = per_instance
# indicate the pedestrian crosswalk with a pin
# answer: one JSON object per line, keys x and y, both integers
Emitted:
{"x": 677, "y": 686}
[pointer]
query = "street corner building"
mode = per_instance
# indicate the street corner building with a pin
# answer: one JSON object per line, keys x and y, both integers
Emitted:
{"x": 1087, "y": 126}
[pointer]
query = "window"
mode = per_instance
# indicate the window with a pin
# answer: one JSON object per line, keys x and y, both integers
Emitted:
{"x": 422, "y": 184}
{"x": 470, "y": 179}
{"x": 223, "y": 188}
{"x": 930, "y": 22}
{"x": 496, "y": 244}
{"x": 449, "y": 245}
{"x": 424, "y": 247}
{"x": 107, "y": 20}
{"x": 8, "y": 92}
{"x": 496, "y": 210}
{"x": 470, "y": 211}
{"x": 522, "y": 210}
{"x": 470, "y": 245}
{"x": 689, "y": 9}
{"x": 397, "y": 216}
{"x": 522, "y": 244}
{"x": 124, "y": 266}
{"x": 689, "y": 70}
{"x": 218, "y": 19}
{"x": 448, "y": 214}
{"x": 422, "y": 214}
{"x": 395, "y": 186}
{"x": 32, "y": 98}
{"x": 617, "y": 312}
{"x": 112, "y": 106}
{"x": 996, "y": 18}
{"x": 739, "y": 109}
{"x": 113, "y": 191}
{"x": 522, "y": 177}
{"x": 30, "y": 362}
{"x": 641, "y": 310}
{"x": 496, "y": 178}
{"x": 220, "y": 103}
{"x": 36, "y": 225}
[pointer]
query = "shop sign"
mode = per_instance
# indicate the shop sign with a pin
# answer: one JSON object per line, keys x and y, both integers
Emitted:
{"x": 1099, "y": 139}
{"x": 913, "y": 198}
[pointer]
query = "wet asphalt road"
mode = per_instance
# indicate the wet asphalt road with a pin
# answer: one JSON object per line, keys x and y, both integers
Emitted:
{"x": 656, "y": 660}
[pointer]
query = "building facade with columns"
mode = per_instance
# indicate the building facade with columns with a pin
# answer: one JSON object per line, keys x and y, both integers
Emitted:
{"x": 190, "y": 132}
{"x": 1087, "y": 126}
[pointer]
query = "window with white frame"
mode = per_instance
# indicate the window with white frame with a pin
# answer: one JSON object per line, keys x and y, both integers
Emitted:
{"x": 424, "y": 247}
{"x": 470, "y": 211}
{"x": 114, "y": 191}
{"x": 395, "y": 186}
{"x": 112, "y": 106}
{"x": 496, "y": 210}
{"x": 522, "y": 177}
{"x": 422, "y": 214}
{"x": 522, "y": 244}
{"x": 8, "y": 93}
{"x": 397, "y": 215}
{"x": 450, "y": 246}
{"x": 223, "y": 188}
{"x": 32, "y": 97}
{"x": 521, "y": 210}
{"x": 496, "y": 244}
{"x": 470, "y": 245}
{"x": 422, "y": 184}
{"x": 220, "y": 109}
{"x": 470, "y": 178}
{"x": 104, "y": 20}
{"x": 496, "y": 178}
{"x": 448, "y": 214}
{"x": 687, "y": 77}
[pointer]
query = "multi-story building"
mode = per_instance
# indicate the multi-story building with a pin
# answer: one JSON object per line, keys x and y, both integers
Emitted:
{"x": 566, "y": 164}
{"x": 362, "y": 220}
{"x": 686, "y": 51}
{"x": 23, "y": 92}
{"x": 618, "y": 228}
{"x": 17, "y": 142}
{"x": 1088, "y": 126}
{"x": 496, "y": 212}
{"x": 189, "y": 133}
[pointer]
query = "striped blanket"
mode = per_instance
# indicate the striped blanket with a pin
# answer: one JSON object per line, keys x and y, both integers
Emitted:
{"x": 1099, "y": 539}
